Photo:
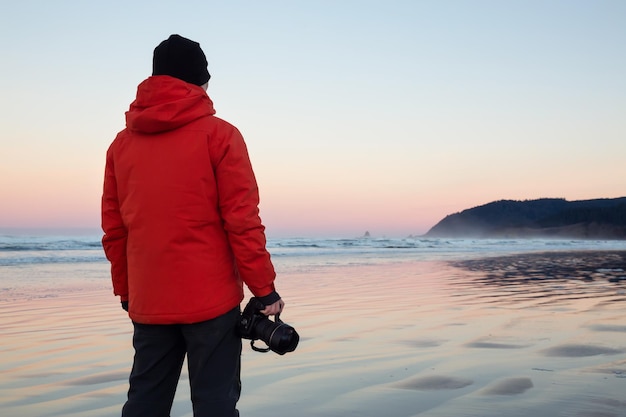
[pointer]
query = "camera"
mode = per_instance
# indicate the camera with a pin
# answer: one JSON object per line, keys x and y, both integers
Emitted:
{"x": 277, "y": 335}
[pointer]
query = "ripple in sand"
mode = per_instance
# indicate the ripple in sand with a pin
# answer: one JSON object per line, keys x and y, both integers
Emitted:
{"x": 510, "y": 386}
{"x": 432, "y": 383}
{"x": 491, "y": 345}
{"x": 99, "y": 379}
{"x": 611, "y": 402}
{"x": 617, "y": 369}
{"x": 423, "y": 343}
{"x": 579, "y": 351}
{"x": 608, "y": 328}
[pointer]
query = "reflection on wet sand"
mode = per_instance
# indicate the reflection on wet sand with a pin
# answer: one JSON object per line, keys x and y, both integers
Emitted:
{"x": 435, "y": 382}
{"x": 509, "y": 386}
{"x": 549, "y": 266}
{"x": 579, "y": 351}
{"x": 539, "y": 335}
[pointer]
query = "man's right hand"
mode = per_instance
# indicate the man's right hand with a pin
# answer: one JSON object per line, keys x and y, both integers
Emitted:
{"x": 273, "y": 309}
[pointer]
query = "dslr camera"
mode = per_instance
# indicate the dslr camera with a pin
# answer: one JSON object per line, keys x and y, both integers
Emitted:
{"x": 277, "y": 335}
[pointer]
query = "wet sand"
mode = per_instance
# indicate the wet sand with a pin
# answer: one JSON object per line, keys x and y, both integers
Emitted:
{"x": 540, "y": 335}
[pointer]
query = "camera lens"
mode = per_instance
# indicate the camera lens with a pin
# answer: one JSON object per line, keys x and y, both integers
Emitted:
{"x": 278, "y": 336}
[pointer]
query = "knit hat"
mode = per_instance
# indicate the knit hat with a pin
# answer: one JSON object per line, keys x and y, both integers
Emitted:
{"x": 181, "y": 58}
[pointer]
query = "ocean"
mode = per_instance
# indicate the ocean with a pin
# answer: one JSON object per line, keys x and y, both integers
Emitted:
{"x": 22, "y": 250}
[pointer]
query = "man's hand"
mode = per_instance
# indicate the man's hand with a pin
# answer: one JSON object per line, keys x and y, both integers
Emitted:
{"x": 273, "y": 309}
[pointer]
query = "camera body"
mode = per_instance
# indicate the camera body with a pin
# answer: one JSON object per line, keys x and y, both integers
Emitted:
{"x": 277, "y": 335}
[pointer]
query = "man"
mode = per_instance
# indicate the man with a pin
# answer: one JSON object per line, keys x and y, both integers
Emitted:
{"x": 182, "y": 233}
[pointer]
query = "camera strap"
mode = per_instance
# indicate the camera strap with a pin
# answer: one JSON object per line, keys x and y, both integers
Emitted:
{"x": 258, "y": 349}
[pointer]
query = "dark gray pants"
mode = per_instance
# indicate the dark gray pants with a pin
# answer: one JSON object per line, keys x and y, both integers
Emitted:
{"x": 213, "y": 351}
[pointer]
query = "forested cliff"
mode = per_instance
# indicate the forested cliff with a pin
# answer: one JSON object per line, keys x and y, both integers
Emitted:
{"x": 547, "y": 217}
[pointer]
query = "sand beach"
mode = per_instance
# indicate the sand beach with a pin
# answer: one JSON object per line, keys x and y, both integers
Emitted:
{"x": 538, "y": 335}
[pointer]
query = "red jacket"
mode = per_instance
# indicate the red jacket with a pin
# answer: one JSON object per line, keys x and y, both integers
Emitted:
{"x": 180, "y": 209}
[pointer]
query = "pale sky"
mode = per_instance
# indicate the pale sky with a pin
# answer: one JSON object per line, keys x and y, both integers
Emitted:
{"x": 358, "y": 115}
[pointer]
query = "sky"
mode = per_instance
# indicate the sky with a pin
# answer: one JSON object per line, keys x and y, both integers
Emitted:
{"x": 358, "y": 115}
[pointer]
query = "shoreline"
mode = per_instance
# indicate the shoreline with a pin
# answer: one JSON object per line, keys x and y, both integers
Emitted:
{"x": 586, "y": 265}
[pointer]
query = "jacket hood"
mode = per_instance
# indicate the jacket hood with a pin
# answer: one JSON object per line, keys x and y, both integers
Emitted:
{"x": 165, "y": 103}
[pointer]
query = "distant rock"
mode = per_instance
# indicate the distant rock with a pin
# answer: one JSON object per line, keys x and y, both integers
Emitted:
{"x": 542, "y": 218}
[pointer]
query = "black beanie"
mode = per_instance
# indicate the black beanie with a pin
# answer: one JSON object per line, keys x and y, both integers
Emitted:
{"x": 181, "y": 58}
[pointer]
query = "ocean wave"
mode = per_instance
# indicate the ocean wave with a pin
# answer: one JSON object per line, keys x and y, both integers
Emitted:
{"x": 57, "y": 259}
{"x": 11, "y": 244}
{"x": 20, "y": 250}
